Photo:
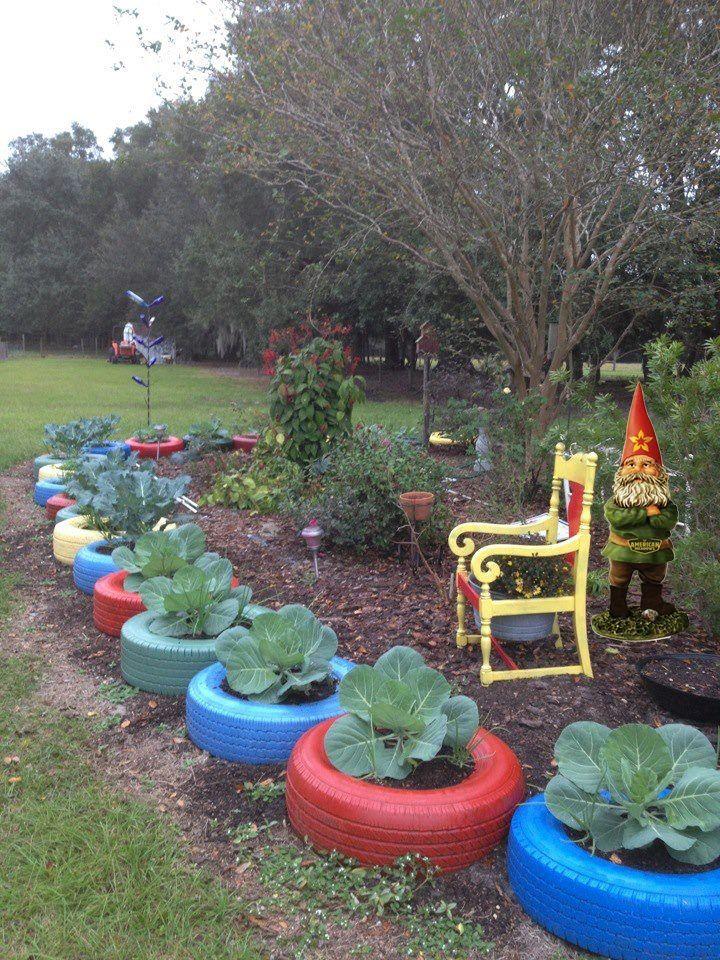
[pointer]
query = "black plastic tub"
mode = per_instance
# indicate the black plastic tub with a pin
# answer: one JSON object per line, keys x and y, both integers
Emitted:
{"x": 681, "y": 703}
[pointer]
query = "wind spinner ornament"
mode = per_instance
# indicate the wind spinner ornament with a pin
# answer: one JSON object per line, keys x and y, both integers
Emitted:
{"x": 641, "y": 516}
{"x": 147, "y": 344}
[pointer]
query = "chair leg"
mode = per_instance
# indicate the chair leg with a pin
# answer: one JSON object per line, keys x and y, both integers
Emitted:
{"x": 485, "y": 647}
{"x": 461, "y": 635}
{"x": 556, "y": 633}
{"x": 581, "y": 638}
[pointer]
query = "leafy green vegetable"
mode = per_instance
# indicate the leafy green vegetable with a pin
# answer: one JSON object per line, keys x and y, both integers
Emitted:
{"x": 631, "y": 786}
{"x": 282, "y": 652}
{"x": 206, "y": 436}
{"x": 68, "y": 440}
{"x": 155, "y": 434}
{"x": 160, "y": 553}
{"x": 129, "y": 505}
{"x": 400, "y": 713}
{"x": 199, "y": 600}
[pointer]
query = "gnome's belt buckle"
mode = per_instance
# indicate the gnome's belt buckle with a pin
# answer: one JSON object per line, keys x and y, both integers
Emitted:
{"x": 641, "y": 546}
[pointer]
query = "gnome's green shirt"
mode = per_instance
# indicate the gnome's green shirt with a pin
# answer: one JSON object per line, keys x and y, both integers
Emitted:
{"x": 633, "y": 523}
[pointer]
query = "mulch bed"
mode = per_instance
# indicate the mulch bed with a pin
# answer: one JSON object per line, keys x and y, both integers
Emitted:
{"x": 373, "y": 603}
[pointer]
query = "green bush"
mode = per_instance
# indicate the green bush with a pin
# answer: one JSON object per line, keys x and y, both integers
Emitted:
{"x": 311, "y": 399}
{"x": 266, "y": 483}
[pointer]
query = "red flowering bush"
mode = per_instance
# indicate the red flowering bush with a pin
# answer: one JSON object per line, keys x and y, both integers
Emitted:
{"x": 291, "y": 338}
{"x": 311, "y": 398}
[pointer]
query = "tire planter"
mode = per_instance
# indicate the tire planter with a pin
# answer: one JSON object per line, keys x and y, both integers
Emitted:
{"x": 375, "y": 824}
{"x": 52, "y": 473}
{"x": 44, "y": 460}
{"x": 518, "y": 628}
{"x": 55, "y": 503}
{"x": 153, "y": 451}
{"x": 683, "y": 703}
{"x": 113, "y": 605}
{"x": 103, "y": 449}
{"x": 66, "y": 513}
{"x": 160, "y": 664}
{"x": 44, "y": 490}
{"x": 90, "y": 566}
{"x": 217, "y": 447}
{"x": 69, "y": 536}
{"x": 616, "y": 911}
{"x": 247, "y": 732}
{"x": 246, "y": 442}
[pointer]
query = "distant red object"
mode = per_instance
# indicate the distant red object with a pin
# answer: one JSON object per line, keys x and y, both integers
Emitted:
{"x": 245, "y": 442}
{"x": 55, "y": 503}
{"x": 153, "y": 451}
{"x": 121, "y": 351}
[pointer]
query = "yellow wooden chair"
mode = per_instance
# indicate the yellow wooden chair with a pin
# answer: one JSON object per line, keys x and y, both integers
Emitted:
{"x": 578, "y": 469}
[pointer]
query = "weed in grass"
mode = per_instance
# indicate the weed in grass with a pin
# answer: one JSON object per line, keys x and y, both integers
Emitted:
{"x": 264, "y": 791}
{"x": 107, "y": 723}
{"x": 115, "y": 692}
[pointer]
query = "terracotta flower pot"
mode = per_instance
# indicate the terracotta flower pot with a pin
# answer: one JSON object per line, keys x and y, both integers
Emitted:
{"x": 245, "y": 442}
{"x": 417, "y": 505}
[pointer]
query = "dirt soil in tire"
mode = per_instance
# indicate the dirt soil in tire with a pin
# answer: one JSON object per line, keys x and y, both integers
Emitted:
{"x": 373, "y": 603}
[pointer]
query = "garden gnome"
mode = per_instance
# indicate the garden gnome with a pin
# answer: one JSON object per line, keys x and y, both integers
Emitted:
{"x": 641, "y": 516}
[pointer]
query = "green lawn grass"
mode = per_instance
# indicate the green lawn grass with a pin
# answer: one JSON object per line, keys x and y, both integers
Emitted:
{"x": 37, "y": 390}
{"x": 85, "y": 873}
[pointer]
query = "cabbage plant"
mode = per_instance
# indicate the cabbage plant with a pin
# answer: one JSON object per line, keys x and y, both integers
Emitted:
{"x": 400, "y": 713}
{"x": 199, "y": 600}
{"x": 206, "y": 436}
{"x": 628, "y": 787}
{"x": 160, "y": 553}
{"x": 68, "y": 440}
{"x": 282, "y": 652}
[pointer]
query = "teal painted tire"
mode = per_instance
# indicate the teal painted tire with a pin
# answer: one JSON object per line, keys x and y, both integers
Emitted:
{"x": 160, "y": 664}
{"x": 66, "y": 513}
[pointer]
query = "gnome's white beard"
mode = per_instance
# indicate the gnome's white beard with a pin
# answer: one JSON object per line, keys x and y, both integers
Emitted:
{"x": 641, "y": 489}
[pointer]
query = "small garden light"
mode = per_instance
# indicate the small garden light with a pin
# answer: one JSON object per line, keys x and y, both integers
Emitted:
{"x": 312, "y": 534}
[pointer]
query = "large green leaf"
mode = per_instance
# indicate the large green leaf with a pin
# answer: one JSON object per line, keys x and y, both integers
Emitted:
{"x": 394, "y": 708}
{"x": 426, "y": 744}
{"x": 218, "y": 572}
{"x": 277, "y": 641}
{"x": 170, "y": 625}
{"x": 124, "y": 558}
{"x": 189, "y": 541}
{"x": 243, "y": 595}
{"x": 571, "y": 805}
{"x": 462, "y": 720}
{"x": 688, "y": 748}
{"x": 247, "y": 671}
{"x": 227, "y": 640}
{"x": 578, "y": 753}
{"x": 398, "y": 662}
{"x": 390, "y": 762}
{"x": 219, "y": 616}
{"x": 430, "y": 689}
{"x": 630, "y": 748}
{"x": 694, "y": 801}
{"x": 358, "y": 690}
{"x": 190, "y": 591}
{"x": 154, "y": 593}
{"x": 705, "y": 849}
{"x": 606, "y": 826}
{"x": 352, "y": 746}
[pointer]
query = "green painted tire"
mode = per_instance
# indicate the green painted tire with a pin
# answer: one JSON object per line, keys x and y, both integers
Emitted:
{"x": 160, "y": 664}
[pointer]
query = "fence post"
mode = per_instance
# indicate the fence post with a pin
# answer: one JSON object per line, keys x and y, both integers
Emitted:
{"x": 23, "y": 336}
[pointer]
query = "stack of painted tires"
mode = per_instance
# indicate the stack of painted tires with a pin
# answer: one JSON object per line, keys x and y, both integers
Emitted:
{"x": 154, "y": 451}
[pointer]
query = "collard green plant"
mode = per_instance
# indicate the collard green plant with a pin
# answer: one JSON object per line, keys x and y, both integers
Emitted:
{"x": 628, "y": 787}
{"x": 68, "y": 440}
{"x": 160, "y": 553}
{"x": 400, "y": 713}
{"x": 199, "y": 600}
{"x": 282, "y": 652}
{"x": 155, "y": 434}
{"x": 128, "y": 505}
{"x": 206, "y": 436}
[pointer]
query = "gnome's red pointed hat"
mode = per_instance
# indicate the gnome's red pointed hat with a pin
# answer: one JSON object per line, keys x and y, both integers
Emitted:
{"x": 640, "y": 438}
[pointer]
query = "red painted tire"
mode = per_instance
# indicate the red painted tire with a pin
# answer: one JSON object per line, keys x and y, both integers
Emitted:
{"x": 453, "y": 826}
{"x": 56, "y": 503}
{"x": 151, "y": 451}
{"x": 245, "y": 443}
{"x": 113, "y": 605}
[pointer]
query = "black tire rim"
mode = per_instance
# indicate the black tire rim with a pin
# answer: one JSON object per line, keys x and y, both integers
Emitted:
{"x": 682, "y": 703}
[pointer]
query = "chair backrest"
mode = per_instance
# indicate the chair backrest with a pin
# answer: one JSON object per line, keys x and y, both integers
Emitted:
{"x": 579, "y": 471}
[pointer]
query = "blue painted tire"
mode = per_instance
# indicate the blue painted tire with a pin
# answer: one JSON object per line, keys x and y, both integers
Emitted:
{"x": 66, "y": 513}
{"x": 247, "y": 732}
{"x": 105, "y": 448}
{"x": 89, "y": 565}
{"x": 44, "y": 490}
{"x": 44, "y": 460}
{"x": 616, "y": 911}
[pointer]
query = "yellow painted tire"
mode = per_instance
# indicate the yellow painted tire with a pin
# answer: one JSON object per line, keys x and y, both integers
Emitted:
{"x": 442, "y": 440}
{"x": 52, "y": 473}
{"x": 69, "y": 536}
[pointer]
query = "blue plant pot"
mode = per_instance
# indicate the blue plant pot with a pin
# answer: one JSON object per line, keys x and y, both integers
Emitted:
{"x": 247, "y": 732}
{"x": 107, "y": 447}
{"x": 89, "y": 565}
{"x": 44, "y": 489}
{"x": 518, "y": 628}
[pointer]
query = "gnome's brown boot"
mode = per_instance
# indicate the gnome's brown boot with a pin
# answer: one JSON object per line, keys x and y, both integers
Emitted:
{"x": 651, "y": 599}
{"x": 618, "y": 602}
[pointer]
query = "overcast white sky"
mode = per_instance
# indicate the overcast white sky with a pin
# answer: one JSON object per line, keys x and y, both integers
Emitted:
{"x": 56, "y": 67}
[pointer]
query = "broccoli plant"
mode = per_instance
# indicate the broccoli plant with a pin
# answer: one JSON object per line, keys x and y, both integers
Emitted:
{"x": 199, "y": 600}
{"x": 206, "y": 436}
{"x": 160, "y": 553}
{"x": 68, "y": 440}
{"x": 282, "y": 652}
{"x": 129, "y": 505}
{"x": 400, "y": 713}
{"x": 628, "y": 787}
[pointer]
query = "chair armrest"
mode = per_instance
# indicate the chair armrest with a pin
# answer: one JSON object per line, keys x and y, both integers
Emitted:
{"x": 485, "y": 570}
{"x": 462, "y": 544}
